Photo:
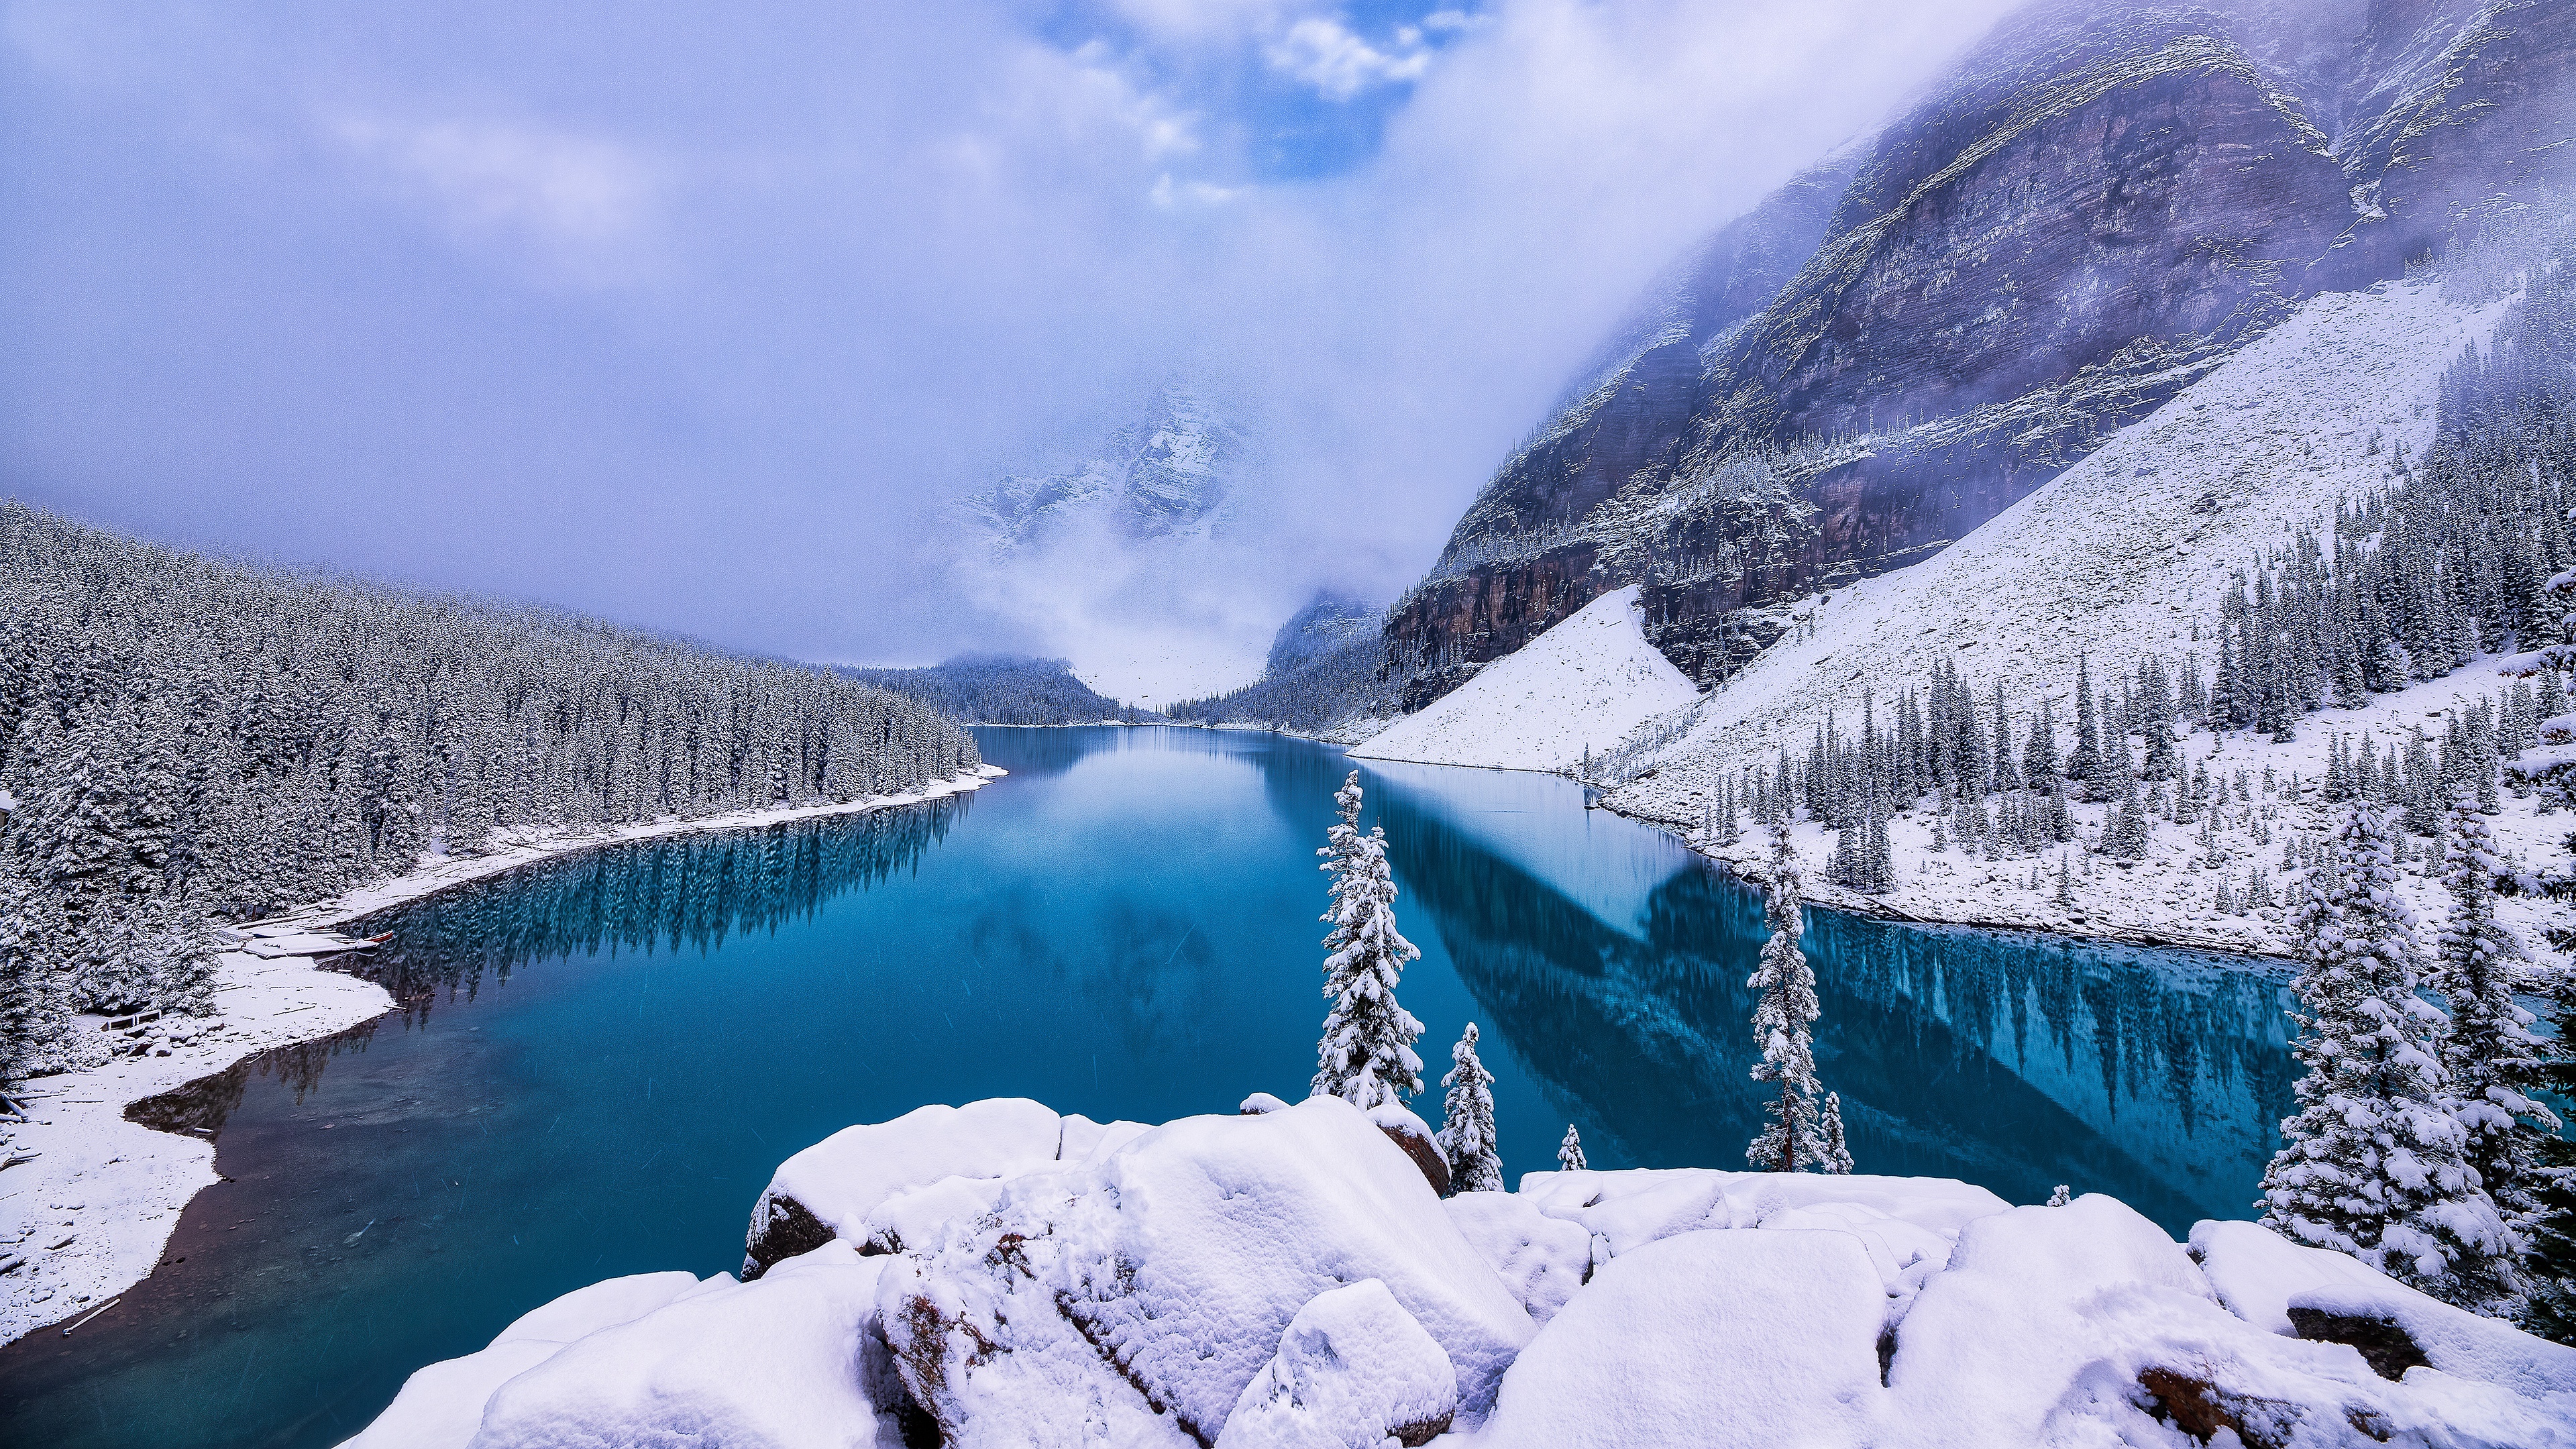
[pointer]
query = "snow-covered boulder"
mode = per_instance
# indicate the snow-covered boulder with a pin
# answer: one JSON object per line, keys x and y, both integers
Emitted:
{"x": 440, "y": 1406}
{"x": 1716, "y": 1339}
{"x": 1903, "y": 1222}
{"x": 1352, "y": 1371}
{"x": 1541, "y": 1259}
{"x": 1417, "y": 1139}
{"x": 2290, "y": 1288}
{"x": 828, "y": 1189}
{"x": 2085, "y": 1324}
{"x": 1135, "y": 1299}
{"x": 793, "y": 1361}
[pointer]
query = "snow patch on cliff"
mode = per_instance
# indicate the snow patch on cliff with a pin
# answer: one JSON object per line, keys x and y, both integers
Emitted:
{"x": 1580, "y": 687}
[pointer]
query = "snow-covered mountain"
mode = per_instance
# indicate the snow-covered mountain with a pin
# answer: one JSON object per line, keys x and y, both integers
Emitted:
{"x": 2100, "y": 205}
{"x": 1173, "y": 472}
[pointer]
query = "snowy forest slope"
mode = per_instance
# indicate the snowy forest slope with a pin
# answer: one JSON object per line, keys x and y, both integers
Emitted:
{"x": 183, "y": 739}
{"x": 2122, "y": 555}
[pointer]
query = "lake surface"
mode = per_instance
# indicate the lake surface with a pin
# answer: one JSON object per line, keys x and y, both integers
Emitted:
{"x": 600, "y": 1060}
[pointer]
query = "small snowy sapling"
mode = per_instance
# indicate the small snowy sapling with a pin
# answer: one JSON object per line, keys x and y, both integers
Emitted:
{"x": 1467, "y": 1130}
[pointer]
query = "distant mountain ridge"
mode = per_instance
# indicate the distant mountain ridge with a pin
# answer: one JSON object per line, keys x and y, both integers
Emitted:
{"x": 1004, "y": 689}
{"x": 2099, "y": 206}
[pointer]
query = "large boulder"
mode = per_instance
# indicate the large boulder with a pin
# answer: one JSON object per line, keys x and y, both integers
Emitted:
{"x": 2086, "y": 1324}
{"x": 790, "y": 1362}
{"x": 827, "y": 1190}
{"x": 1352, "y": 1371}
{"x": 1715, "y": 1339}
{"x": 440, "y": 1406}
{"x": 1133, "y": 1300}
{"x": 1541, "y": 1259}
{"x": 2290, "y": 1288}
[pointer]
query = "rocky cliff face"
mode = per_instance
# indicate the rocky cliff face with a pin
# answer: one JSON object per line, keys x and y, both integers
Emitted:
{"x": 2098, "y": 207}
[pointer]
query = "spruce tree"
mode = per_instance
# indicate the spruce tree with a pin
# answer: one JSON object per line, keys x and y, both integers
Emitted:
{"x": 1569, "y": 1153}
{"x": 1837, "y": 1153}
{"x": 2084, "y": 763}
{"x": 2549, "y": 1246}
{"x": 1784, "y": 1008}
{"x": 2372, "y": 1165}
{"x": 1467, "y": 1130}
{"x": 1365, "y": 1056}
{"x": 2490, "y": 1053}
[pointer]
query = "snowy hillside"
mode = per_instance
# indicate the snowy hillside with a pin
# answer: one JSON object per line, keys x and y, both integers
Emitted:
{"x": 2122, "y": 557}
{"x": 1576, "y": 689}
{"x": 999, "y": 1275}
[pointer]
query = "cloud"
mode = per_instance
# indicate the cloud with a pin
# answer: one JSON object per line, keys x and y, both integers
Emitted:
{"x": 837, "y": 263}
{"x": 1323, "y": 53}
{"x": 584, "y": 200}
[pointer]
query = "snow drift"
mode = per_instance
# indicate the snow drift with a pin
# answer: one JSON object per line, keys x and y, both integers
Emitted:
{"x": 1289, "y": 1277}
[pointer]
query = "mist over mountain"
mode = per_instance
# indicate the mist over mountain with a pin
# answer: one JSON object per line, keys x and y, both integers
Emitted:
{"x": 2097, "y": 206}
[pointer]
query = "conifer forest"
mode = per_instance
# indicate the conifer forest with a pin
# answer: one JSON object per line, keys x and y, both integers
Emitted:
{"x": 184, "y": 741}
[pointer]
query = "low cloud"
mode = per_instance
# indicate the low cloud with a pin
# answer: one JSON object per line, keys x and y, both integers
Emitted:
{"x": 841, "y": 264}
{"x": 585, "y": 201}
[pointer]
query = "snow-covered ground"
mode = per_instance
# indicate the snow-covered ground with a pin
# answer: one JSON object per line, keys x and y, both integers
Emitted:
{"x": 1288, "y": 1277}
{"x": 2168, "y": 897}
{"x": 88, "y": 1199}
{"x": 2118, "y": 558}
{"x": 1575, "y": 690}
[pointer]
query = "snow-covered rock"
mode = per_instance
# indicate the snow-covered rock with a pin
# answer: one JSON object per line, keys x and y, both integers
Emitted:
{"x": 1287, "y": 1277}
{"x": 1581, "y": 686}
{"x": 1540, "y": 1258}
{"x": 830, "y": 1188}
{"x": 1716, "y": 1339}
{"x": 1139, "y": 1297}
{"x": 441, "y": 1406}
{"x": 1352, "y": 1371}
{"x": 2290, "y": 1288}
{"x": 790, "y": 1362}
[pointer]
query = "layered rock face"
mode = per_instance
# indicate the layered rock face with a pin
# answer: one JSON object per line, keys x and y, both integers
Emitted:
{"x": 2101, "y": 205}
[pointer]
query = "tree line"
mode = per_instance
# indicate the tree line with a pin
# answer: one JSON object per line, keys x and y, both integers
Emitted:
{"x": 184, "y": 740}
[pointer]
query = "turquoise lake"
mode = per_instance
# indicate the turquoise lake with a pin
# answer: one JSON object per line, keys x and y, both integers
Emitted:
{"x": 598, "y": 1061}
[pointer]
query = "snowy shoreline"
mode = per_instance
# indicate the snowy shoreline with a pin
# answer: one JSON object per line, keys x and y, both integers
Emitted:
{"x": 89, "y": 1199}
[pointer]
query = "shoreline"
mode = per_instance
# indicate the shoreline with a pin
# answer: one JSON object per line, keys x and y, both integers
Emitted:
{"x": 88, "y": 1200}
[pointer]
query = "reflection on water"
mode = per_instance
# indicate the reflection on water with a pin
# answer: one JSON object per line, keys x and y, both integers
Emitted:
{"x": 599, "y": 1060}
{"x": 2017, "y": 1061}
{"x": 692, "y": 891}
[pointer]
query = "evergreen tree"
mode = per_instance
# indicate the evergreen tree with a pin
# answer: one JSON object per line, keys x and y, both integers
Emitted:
{"x": 1783, "y": 1010}
{"x": 1365, "y": 1056}
{"x": 1467, "y": 1130}
{"x": 2490, "y": 1054}
{"x": 1837, "y": 1153}
{"x": 1569, "y": 1153}
{"x": 2372, "y": 1165}
{"x": 2549, "y": 1256}
{"x": 2084, "y": 764}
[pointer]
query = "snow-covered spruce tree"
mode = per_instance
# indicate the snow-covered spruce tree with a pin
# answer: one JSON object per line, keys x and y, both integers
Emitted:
{"x": 2372, "y": 1164}
{"x": 2549, "y": 1246}
{"x": 1365, "y": 1056}
{"x": 2490, "y": 1053}
{"x": 1467, "y": 1126}
{"x": 1837, "y": 1152}
{"x": 1569, "y": 1153}
{"x": 1782, "y": 1012}
{"x": 32, "y": 1011}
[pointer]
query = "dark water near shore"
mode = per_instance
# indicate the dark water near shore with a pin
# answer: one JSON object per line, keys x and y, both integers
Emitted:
{"x": 600, "y": 1060}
